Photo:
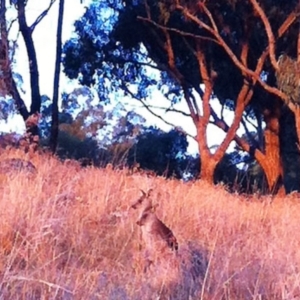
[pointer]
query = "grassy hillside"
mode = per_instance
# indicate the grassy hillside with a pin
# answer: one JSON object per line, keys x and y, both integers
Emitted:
{"x": 68, "y": 233}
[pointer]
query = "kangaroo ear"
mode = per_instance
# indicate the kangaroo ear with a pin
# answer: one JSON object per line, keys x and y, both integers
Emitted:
{"x": 144, "y": 194}
{"x": 149, "y": 192}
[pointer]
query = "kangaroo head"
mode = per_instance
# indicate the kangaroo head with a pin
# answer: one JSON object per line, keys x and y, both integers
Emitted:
{"x": 147, "y": 217}
{"x": 144, "y": 203}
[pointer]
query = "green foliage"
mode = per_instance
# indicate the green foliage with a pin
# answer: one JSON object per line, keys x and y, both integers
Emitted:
{"x": 86, "y": 123}
{"x": 77, "y": 139}
{"x": 7, "y": 108}
{"x": 88, "y": 131}
{"x": 70, "y": 146}
{"x": 249, "y": 179}
{"x": 160, "y": 152}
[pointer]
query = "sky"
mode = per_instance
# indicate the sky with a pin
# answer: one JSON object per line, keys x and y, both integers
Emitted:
{"x": 45, "y": 42}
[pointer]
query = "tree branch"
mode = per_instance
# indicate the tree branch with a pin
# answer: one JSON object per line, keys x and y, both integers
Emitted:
{"x": 11, "y": 24}
{"x": 171, "y": 58}
{"x": 148, "y": 107}
{"x": 259, "y": 156}
{"x": 250, "y": 122}
{"x": 243, "y": 99}
{"x": 248, "y": 133}
{"x": 246, "y": 71}
{"x": 194, "y": 101}
{"x": 194, "y": 115}
{"x": 178, "y": 111}
{"x": 41, "y": 16}
{"x": 210, "y": 17}
{"x": 269, "y": 32}
{"x": 219, "y": 40}
{"x": 180, "y": 32}
{"x": 207, "y": 83}
{"x": 179, "y": 76}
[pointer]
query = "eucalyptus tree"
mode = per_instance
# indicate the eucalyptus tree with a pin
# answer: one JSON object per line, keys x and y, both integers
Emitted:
{"x": 222, "y": 51}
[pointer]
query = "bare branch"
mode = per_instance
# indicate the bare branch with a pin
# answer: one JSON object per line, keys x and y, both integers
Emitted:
{"x": 148, "y": 107}
{"x": 11, "y": 24}
{"x": 243, "y": 99}
{"x": 165, "y": 109}
{"x": 147, "y": 9}
{"x": 244, "y": 54}
{"x": 249, "y": 135}
{"x": 178, "y": 111}
{"x": 211, "y": 19}
{"x": 255, "y": 75}
{"x": 194, "y": 101}
{"x": 180, "y": 32}
{"x": 194, "y": 115}
{"x": 240, "y": 141}
{"x": 250, "y": 122}
{"x": 269, "y": 32}
{"x": 222, "y": 111}
{"x": 41, "y": 16}
{"x": 14, "y": 46}
{"x": 287, "y": 23}
{"x": 170, "y": 53}
{"x": 179, "y": 76}
{"x": 165, "y": 121}
{"x": 207, "y": 83}
{"x": 156, "y": 66}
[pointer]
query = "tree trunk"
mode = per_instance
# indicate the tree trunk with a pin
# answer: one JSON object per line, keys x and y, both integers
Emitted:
{"x": 208, "y": 162}
{"x": 32, "y": 131}
{"x": 33, "y": 65}
{"x": 297, "y": 123}
{"x": 290, "y": 153}
{"x": 269, "y": 160}
{"x": 271, "y": 164}
{"x": 208, "y": 166}
{"x": 10, "y": 85}
{"x": 54, "y": 123}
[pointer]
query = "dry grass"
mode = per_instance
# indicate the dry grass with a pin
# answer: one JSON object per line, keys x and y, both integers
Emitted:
{"x": 68, "y": 233}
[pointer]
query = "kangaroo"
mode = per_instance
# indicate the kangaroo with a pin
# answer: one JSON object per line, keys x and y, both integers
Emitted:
{"x": 152, "y": 225}
{"x": 156, "y": 235}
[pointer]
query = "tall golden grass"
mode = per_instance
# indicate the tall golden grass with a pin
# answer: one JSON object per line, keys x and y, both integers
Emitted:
{"x": 68, "y": 233}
